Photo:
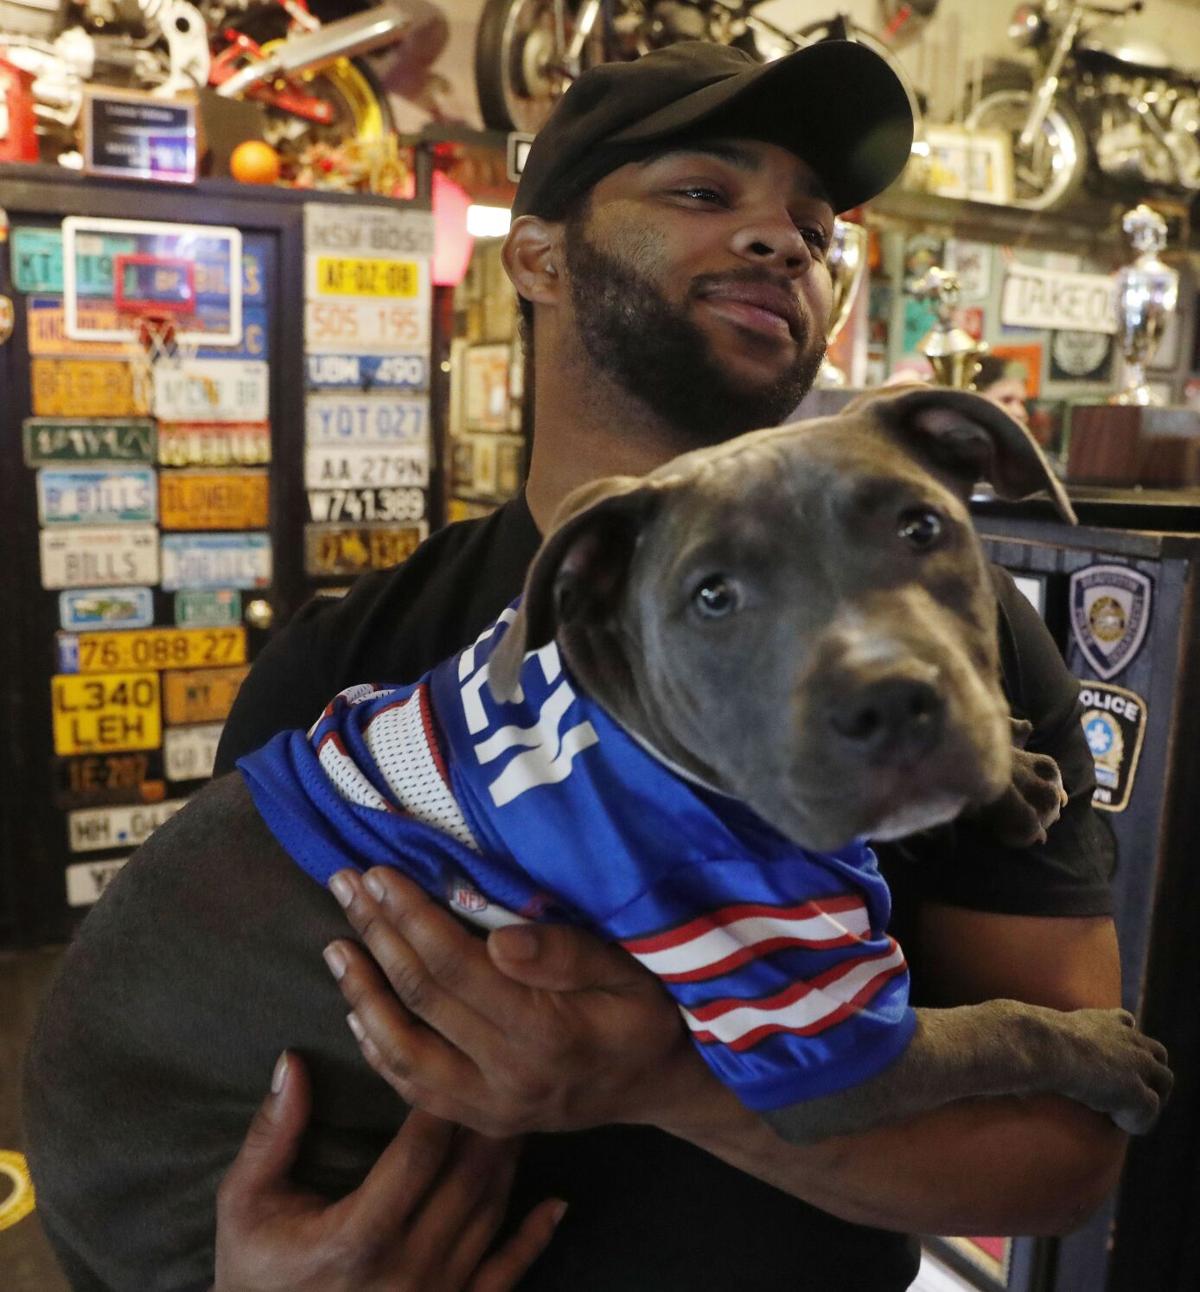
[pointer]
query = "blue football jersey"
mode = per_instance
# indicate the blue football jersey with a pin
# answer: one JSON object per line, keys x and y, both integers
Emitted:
{"x": 545, "y": 808}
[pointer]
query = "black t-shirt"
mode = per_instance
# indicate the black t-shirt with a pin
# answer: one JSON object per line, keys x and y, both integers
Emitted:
{"x": 650, "y": 1213}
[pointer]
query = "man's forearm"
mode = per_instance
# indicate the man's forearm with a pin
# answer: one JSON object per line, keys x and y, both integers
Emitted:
{"x": 1027, "y": 1166}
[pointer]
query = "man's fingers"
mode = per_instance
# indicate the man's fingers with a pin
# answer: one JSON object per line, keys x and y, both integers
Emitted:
{"x": 270, "y": 1146}
{"x": 505, "y": 1269}
{"x": 407, "y": 1054}
{"x": 557, "y": 958}
{"x": 434, "y": 965}
{"x": 400, "y": 1179}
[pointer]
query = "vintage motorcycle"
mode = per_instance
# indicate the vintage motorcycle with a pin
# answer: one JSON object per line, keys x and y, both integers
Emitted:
{"x": 311, "y": 77}
{"x": 1103, "y": 99}
{"x": 528, "y": 51}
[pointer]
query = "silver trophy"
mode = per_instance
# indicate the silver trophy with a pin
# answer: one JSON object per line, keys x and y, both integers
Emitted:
{"x": 846, "y": 261}
{"x": 952, "y": 352}
{"x": 1147, "y": 291}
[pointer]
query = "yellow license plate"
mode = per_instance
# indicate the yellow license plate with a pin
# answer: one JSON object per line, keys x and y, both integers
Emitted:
{"x": 105, "y": 713}
{"x": 161, "y": 648}
{"x": 198, "y": 500}
{"x": 84, "y": 388}
{"x": 201, "y": 694}
{"x": 45, "y": 322}
{"x": 344, "y": 276}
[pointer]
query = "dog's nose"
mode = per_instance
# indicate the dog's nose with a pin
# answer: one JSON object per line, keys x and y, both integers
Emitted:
{"x": 892, "y": 720}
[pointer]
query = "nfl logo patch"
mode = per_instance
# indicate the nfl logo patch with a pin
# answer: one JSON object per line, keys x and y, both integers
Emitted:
{"x": 1110, "y": 612}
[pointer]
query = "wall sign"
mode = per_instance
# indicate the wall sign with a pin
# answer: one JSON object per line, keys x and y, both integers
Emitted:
{"x": 1047, "y": 298}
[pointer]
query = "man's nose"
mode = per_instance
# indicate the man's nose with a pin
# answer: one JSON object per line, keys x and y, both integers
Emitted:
{"x": 773, "y": 239}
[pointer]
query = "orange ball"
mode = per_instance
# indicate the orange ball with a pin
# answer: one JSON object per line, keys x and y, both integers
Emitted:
{"x": 254, "y": 162}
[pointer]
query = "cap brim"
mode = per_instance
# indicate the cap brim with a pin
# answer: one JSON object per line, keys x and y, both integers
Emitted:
{"x": 836, "y": 104}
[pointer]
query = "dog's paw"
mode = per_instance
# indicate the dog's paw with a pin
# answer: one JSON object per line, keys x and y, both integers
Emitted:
{"x": 1115, "y": 1068}
{"x": 1032, "y": 803}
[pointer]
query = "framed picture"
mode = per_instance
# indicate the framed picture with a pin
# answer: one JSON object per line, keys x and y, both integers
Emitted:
{"x": 975, "y": 164}
{"x": 1024, "y": 361}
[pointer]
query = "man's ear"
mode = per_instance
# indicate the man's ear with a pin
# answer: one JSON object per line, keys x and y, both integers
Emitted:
{"x": 579, "y": 572}
{"x": 964, "y": 438}
{"x": 531, "y": 255}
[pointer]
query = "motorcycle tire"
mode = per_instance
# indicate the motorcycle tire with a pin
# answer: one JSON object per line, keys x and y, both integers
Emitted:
{"x": 1054, "y": 170}
{"x": 515, "y": 76}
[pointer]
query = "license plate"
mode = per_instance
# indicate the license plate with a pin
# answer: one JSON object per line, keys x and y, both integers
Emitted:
{"x": 367, "y": 371}
{"x": 359, "y": 276}
{"x": 45, "y": 320}
{"x": 197, "y": 500}
{"x": 366, "y": 504}
{"x": 95, "y": 779}
{"x": 106, "y": 608}
{"x": 112, "y": 652}
{"x": 105, "y": 712}
{"x": 37, "y": 259}
{"x": 211, "y": 390}
{"x": 201, "y": 694}
{"x": 376, "y": 420}
{"x": 215, "y": 561}
{"x": 83, "y": 388}
{"x": 253, "y": 344}
{"x": 95, "y": 829}
{"x": 189, "y": 752}
{"x": 96, "y": 495}
{"x": 214, "y": 444}
{"x": 352, "y": 549}
{"x": 337, "y": 326}
{"x": 51, "y": 440}
{"x": 87, "y": 880}
{"x": 384, "y": 230}
{"x": 203, "y": 608}
{"x": 95, "y": 557}
{"x": 362, "y": 467}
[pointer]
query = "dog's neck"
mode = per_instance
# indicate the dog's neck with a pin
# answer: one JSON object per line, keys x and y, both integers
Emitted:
{"x": 682, "y": 772}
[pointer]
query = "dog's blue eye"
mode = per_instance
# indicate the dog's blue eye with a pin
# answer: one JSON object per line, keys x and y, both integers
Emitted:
{"x": 921, "y": 527}
{"x": 715, "y": 597}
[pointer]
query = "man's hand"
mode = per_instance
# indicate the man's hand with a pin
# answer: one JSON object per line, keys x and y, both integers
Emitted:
{"x": 422, "y": 1220}
{"x": 539, "y": 1028}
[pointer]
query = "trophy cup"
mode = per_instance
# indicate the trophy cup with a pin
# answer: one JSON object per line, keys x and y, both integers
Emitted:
{"x": 846, "y": 261}
{"x": 1147, "y": 291}
{"x": 952, "y": 352}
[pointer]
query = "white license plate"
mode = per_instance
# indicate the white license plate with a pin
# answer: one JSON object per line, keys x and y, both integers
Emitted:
{"x": 96, "y": 495}
{"x": 87, "y": 880}
{"x": 94, "y": 829}
{"x": 367, "y": 371}
{"x": 211, "y": 390}
{"x": 335, "y": 326}
{"x": 189, "y": 752}
{"x": 363, "y": 467}
{"x": 331, "y": 420}
{"x": 215, "y": 561}
{"x": 366, "y": 504}
{"x": 92, "y": 556}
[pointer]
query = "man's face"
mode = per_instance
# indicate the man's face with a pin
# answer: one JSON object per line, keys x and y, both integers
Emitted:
{"x": 698, "y": 281}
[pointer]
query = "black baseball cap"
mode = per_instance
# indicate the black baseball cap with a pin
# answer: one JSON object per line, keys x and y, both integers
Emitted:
{"x": 836, "y": 104}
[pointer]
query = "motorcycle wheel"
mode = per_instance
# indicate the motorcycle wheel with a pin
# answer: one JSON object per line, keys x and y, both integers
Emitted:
{"x": 518, "y": 75}
{"x": 1050, "y": 173}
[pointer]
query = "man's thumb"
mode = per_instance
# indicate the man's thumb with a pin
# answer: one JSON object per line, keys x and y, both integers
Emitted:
{"x": 271, "y": 1143}
{"x": 554, "y": 957}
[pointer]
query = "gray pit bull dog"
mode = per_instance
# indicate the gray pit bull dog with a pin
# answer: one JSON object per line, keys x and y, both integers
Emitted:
{"x": 837, "y": 557}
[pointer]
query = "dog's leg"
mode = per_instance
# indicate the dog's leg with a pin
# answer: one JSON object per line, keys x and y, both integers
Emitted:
{"x": 1002, "y": 1047}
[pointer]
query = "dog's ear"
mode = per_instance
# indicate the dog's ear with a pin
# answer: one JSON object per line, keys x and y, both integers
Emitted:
{"x": 964, "y": 438}
{"x": 579, "y": 571}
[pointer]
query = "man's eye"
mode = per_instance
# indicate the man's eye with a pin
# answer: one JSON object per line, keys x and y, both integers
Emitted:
{"x": 816, "y": 238}
{"x": 716, "y": 596}
{"x": 702, "y": 194}
{"x": 921, "y": 527}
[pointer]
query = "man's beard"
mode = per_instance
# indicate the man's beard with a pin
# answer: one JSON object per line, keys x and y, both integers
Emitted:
{"x": 655, "y": 352}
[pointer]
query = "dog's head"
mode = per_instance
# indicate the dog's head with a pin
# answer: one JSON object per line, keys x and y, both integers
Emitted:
{"x": 801, "y": 616}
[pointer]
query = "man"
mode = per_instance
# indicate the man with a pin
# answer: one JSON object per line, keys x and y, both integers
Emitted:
{"x": 673, "y": 219}
{"x": 669, "y": 248}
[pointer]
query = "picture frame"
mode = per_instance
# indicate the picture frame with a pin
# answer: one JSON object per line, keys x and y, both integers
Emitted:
{"x": 971, "y": 164}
